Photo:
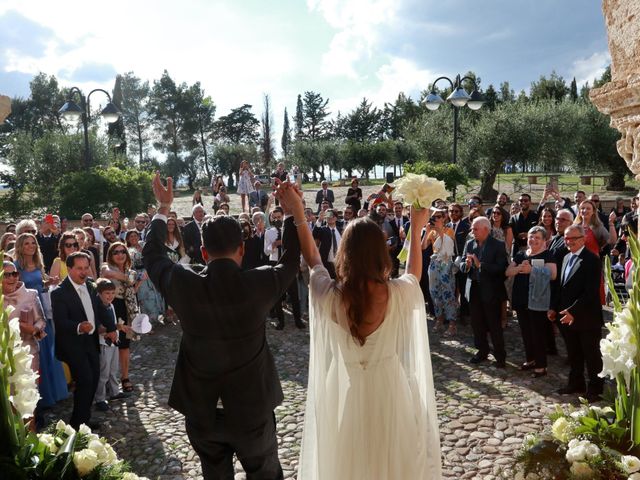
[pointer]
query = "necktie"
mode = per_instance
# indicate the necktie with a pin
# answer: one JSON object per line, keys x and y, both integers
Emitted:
{"x": 279, "y": 237}
{"x": 334, "y": 242}
{"x": 86, "y": 304}
{"x": 567, "y": 270}
{"x": 399, "y": 222}
{"x": 455, "y": 227}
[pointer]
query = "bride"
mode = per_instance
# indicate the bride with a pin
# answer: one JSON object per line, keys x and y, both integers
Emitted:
{"x": 371, "y": 410}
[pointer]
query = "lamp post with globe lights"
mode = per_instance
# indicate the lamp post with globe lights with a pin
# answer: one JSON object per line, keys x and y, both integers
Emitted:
{"x": 458, "y": 99}
{"x": 73, "y": 112}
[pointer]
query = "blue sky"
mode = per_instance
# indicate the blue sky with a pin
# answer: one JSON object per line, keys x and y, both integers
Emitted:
{"x": 242, "y": 49}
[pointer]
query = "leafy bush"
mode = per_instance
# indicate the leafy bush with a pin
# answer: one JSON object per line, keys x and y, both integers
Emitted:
{"x": 98, "y": 191}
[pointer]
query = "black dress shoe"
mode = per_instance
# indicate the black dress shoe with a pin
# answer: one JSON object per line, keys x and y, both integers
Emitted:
{"x": 543, "y": 373}
{"x": 569, "y": 390}
{"x": 501, "y": 364}
{"x": 478, "y": 359}
{"x": 93, "y": 425}
{"x": 528, "y": 366}
{"x": 301, "y": 324}
{"x": 102, "y": 406}
{"x": 278, "y": 325}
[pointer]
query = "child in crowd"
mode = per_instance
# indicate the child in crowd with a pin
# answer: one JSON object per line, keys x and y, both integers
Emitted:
{"x": 109, "y": 364}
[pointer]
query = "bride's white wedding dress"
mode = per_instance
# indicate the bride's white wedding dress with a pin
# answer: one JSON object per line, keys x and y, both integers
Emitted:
{"x": 371, "y": 410}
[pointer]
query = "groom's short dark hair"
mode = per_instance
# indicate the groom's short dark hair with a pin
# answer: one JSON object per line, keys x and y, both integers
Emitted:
{"x": 221, "y": 235}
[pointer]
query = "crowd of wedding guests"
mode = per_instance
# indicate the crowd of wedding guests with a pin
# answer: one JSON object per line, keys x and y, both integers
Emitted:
{"x": 542, "y": 261}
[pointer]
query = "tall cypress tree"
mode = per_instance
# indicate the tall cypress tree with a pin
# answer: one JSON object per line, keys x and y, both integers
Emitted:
{"x": 286, "y": 135}
{"x": 299, "y": 118}
{"x": 573, "y": 90}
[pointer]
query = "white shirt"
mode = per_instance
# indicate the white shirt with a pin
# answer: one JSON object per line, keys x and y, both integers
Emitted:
{"x": 85, "y": 298}
{"x": 270, "y": 236}
{"x": 331, "y": 258}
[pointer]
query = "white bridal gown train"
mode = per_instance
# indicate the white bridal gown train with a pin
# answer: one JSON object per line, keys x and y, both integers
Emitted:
{"x": 371, "y": 410}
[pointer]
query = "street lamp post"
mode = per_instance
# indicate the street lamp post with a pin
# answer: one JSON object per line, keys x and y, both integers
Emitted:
{"x": 458, "y": 99}
{"x": 72, "y": 112}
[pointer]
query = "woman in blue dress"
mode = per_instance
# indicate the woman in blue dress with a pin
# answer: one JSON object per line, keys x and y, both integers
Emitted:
{"x": 28, "y": 262}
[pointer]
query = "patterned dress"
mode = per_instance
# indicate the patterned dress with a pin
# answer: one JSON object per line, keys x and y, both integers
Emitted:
{"x": 442, "y": 283}
{"x": 149, "y": 299}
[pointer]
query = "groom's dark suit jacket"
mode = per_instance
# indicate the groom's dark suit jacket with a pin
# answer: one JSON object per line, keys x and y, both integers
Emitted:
{"x": 223, "y": 352}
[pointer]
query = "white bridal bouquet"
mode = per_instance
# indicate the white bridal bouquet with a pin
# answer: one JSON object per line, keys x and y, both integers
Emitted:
{"x": 61, "y": 452}
{"x": 420, "y": 190}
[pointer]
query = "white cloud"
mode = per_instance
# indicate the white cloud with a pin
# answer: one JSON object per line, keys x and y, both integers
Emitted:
{"x": 586, "y": 69}
{"x": 358, "y": 24}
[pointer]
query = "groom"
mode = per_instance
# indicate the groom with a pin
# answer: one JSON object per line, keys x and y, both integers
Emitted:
{"x": 225, "y": 382}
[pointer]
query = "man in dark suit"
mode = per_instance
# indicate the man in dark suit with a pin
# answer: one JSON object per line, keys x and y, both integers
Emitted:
{"x": 48, "y": 238}
{"x": 460, "y": 227}
{"x": 325, "y": 194}
{"x": 225, "y": 382}
{"x": 77, "y": 314}
{"x": 522, "y": 222}
{"x": 328, "y": 238}
{"x": 397, "y": 225}
{"x": 192, "y": 235}
{"x": 258, "y": 198}
{"x": 484, "y": 265}
{"x": 577, "y": 307}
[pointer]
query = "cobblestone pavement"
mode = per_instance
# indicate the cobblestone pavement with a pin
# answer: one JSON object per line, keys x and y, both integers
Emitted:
{"x": 484, "y": 412}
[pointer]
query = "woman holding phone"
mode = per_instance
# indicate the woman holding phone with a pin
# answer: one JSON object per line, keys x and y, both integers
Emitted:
{"x": 536, "y": 266}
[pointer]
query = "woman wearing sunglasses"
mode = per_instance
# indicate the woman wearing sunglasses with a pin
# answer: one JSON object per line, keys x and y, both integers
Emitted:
{"x": 442, "y": 283}
{"x": 68, "y": 244}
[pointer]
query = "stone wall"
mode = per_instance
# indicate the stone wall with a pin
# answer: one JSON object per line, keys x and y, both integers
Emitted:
{"x": 620, "y": 98}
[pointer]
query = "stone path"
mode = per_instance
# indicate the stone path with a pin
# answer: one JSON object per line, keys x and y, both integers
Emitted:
{"x": 484, "y": 412}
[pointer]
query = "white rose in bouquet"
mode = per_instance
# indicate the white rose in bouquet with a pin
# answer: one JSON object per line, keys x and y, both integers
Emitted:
{"x": 85, "y": 461}
{"x": 634, "y": 476}
{"x": 562, "y": 430}
{"x": 581, "y": 470}
{"x": 49, "y": 441}
{"x": 581, "y": 450}
{"x": 420, "y": 190}
{"x": 630, "y": 463}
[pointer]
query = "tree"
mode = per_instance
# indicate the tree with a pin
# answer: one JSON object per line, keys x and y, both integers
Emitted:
{"x": 135, "y": 114}
{"x": 605, "y": 78}
{"x": 552, "y": 88}
{"x": 398, "y": 115}
{"x": 168, "y": 112}
{"x": 228, "y": 157}
{"x": 506, "y": 93}
{"x": 115, "y": 130}
{"x": 573, "y": 90}
{"x": 198, "y": 127}
{"x": 490, "y": 97}
{"x": 299, "y": 117}
{"x": 363, "y": 124}
{"x": 45, "y": 101}
{"x": 285, "y": 143}
{"x": 267, "y": 150}
{"x": 315, "y": 114}
{"x": 239, "y": 126}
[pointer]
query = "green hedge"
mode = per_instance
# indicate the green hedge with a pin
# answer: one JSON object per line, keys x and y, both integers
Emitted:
{"x": 102, "y": 189}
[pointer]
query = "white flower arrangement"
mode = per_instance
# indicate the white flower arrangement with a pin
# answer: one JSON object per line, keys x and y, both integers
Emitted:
{"x": 420, "y": 190}
{"x": 620, "y": 347}
{"x": 60, "y": 448}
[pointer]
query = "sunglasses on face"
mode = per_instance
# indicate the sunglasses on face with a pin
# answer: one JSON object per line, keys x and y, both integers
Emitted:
{"x": 11, "y": 274}
{"x": 119, "y": 252}
{"x": 71, "y": 245}
{"x": 437, "y": 217}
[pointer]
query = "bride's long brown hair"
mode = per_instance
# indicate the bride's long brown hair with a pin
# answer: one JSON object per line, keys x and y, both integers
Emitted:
{"x": 361, "y": 258}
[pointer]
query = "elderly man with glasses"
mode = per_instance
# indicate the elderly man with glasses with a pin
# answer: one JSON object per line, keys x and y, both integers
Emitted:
{"x": 576, "y": 306}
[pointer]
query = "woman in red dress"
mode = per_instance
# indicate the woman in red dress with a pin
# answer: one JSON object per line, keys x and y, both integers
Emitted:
{"x": 596, "y": 235}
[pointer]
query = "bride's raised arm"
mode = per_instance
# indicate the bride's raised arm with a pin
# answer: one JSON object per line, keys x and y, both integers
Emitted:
{"x": 418, "y": 221}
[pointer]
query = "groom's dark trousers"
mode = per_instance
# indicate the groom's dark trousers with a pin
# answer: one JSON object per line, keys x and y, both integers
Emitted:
{"x": 225, "y": 382}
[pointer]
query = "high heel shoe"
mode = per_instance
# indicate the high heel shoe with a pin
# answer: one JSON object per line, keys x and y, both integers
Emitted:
{"x": 543, "y": 373}
{"x": 451, "y": 331}
{"x": 439, "y": 326}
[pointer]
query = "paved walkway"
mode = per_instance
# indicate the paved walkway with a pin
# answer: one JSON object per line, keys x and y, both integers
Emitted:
{"x": 484, "y": 412}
